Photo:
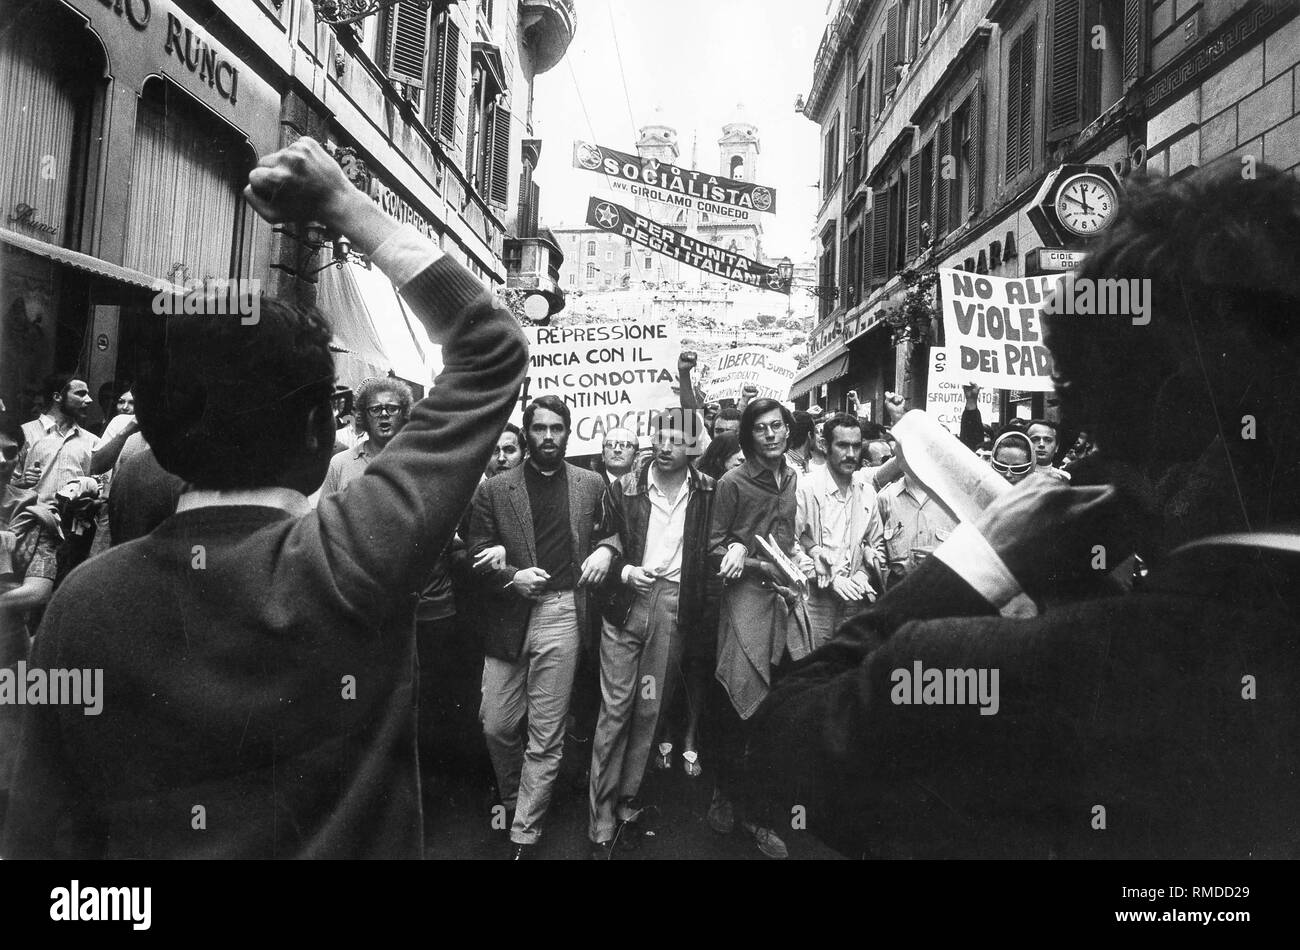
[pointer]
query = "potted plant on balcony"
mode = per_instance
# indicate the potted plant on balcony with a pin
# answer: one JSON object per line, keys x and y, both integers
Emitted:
{"x": 912, "y": 320}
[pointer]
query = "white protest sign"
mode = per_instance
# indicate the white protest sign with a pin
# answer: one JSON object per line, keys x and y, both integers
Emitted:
{"x": 730, "y": 371}
{"x": 992, "y": 332}
{"x": 945, "y": 400}
{"x": 611, "y": 375}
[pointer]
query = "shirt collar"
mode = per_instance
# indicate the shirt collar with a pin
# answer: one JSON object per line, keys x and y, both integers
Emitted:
{"x": 286, "y": 499}
{"x": 755, "y": 470}
{"x": 653, "y": 480}
{"x": 362, "y": 449}
{"x": 48, "y": 425}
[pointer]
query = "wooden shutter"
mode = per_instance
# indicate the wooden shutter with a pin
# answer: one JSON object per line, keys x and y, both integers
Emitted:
{"x": 880, "y": 235}
{"x": 913, "y": 207}
{"x": 408, "y": 44}
{"x": 1135, "y": 40}
{"x": 866, "y": 253}
{"x": 1028, "y": 59}
{"x": 866, "y": 102}
{"x": 974, "y": 149}
{"x": 497, "y": 187}
{"x": 941, "y": 184}
{"x": 927, "y": 15}
{"x": 1065, "y": 40}
{"x": 880, "y": 66}
{"x": 891, "y": 48}
{"x": 846, "y": 269}
{"x": 1013, "y": 109}
{"x": 448, "y": 77}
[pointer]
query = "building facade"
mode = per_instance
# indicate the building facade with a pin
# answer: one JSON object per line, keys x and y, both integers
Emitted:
{"x": 130, "y": 128}
{"x": 941, "y": 119}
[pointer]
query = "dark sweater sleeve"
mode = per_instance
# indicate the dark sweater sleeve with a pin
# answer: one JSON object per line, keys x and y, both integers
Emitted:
{"x": 972, "y": 429}
{"x": 382, "y": 534}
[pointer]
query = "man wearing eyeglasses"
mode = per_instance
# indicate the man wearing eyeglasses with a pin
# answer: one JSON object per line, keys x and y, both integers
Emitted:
{"x": 763, "y": 615}
{"x": 383, "y": 406}
{"x": 618, "y": 452}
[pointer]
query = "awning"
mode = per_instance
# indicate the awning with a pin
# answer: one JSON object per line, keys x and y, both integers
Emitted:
{"x": 835, "y": 365}
{"x": 91, "y": 265}
{"x": 371, "y": 323}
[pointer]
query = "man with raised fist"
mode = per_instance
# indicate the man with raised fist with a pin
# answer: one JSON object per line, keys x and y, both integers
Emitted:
{"x": 257, "y": 654}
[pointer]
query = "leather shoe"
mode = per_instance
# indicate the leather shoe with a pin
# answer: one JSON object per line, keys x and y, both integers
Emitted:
{"x": 523, "y": 852}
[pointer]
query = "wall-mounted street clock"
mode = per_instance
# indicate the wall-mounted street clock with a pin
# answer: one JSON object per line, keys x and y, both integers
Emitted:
{"x": 1075, "y": 204}
{"x": 1086, "y": 204}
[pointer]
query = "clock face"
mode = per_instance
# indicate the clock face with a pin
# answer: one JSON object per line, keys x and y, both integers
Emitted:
{"x": 1085, "y": 204}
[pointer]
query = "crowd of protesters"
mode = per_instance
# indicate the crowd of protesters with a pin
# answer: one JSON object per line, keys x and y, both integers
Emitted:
{"x": 489, "y": 606}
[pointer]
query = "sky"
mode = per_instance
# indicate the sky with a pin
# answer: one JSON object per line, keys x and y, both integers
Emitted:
{"x": 694, "y": 65}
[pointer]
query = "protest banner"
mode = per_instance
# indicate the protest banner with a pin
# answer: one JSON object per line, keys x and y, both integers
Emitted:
{"x": 611, "y": 375}
{"x": 691, "y": 252}
{"x": 944, "y": 399}
{"x": 671, "y": 184}
{"x": 730, "y": 371}
{"x": 991, "y": 330}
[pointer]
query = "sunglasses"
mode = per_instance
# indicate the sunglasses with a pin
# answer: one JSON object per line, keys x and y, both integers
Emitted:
{"x": 385, "y": 409}
{"x": 1002, "y": 468}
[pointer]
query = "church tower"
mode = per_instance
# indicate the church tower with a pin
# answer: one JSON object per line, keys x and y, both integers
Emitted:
{"x": 738, "y": 151}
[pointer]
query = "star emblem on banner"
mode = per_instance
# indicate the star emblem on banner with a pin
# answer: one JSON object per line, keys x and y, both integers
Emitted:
{"x": 606, "y": 215}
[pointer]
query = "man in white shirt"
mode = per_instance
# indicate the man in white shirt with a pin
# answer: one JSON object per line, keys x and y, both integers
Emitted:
{"x": 56, "y": 448}
{"x": 654, "y": 597}
{"x": 834, "y": 505}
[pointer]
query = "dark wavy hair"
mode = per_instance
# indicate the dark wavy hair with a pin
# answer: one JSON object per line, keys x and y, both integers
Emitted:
{"x": 224, "y": 405}
{"x": 722, "y": 447}
{"x": 761, "y": 407}
{"x": 551, "y": 404}
{"x": 840, "y": 420}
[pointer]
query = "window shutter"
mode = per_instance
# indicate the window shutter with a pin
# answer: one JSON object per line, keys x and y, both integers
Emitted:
{"x": 1027, "y": 66}
{"x": 913, "y": 207}
{"x": 880, "y": 235}
{"x": 846, "y": 268}
{"x": 866, "y": 105}
{"x": 880, "y": 65}
{"x": 866, "y": 254}
{"x": 498, "y": 160}
{"x": 891, "y": 48}
{"x": 1013, "y": 109}
{"x": 975, "y": 173}
{"x": 927, "y": 16}
{"x": 941, "y": 189}
{"x": 1065, "y": 69}
{"x": 1135, "y": 40}
{"x": 448, "y": 76}
{"x": 408, "y": 44}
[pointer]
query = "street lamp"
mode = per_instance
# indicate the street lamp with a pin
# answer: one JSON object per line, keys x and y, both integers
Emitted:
{"x": 785, "y": 271}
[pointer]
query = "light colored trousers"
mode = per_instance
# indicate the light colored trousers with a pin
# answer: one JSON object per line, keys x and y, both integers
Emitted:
{"x": 639, "y": 665}
{"x": 540, "y": 683}
{"x": 826, "y": 612}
